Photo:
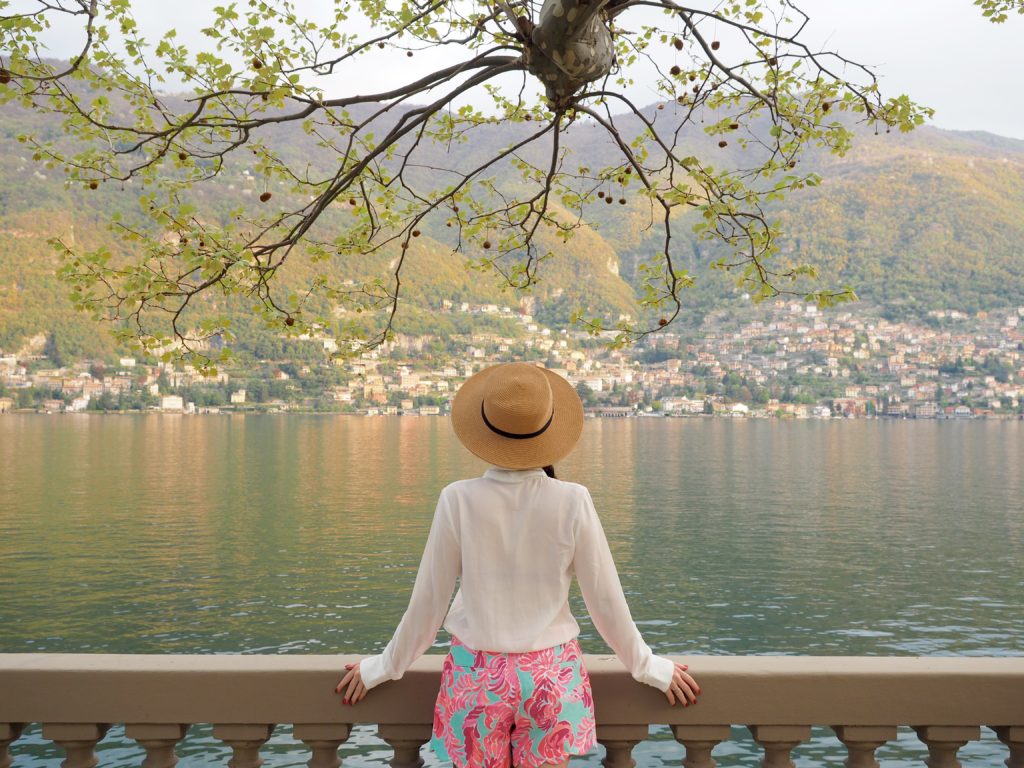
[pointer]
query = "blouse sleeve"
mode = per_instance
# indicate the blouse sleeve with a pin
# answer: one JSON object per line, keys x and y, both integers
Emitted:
{"x": 440, "y": 567}
{"x": 602, "y": 592}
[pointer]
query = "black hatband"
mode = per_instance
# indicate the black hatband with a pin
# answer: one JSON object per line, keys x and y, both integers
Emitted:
{"x": 513, "y": 435}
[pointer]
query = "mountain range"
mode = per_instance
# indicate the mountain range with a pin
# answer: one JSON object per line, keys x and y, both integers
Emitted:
{"x": 932, "y": 219}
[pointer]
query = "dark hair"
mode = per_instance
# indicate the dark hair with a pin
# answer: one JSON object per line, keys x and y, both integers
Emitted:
{"x": 549, "y": 470}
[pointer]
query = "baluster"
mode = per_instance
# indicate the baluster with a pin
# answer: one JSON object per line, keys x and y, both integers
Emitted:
{"x": 943, "y": 742}
{"x": 1013, "y": 737}
{"x": 245, "y": 742}
{"x": 78, "y": 741}
{"x": 618, "y": 741}
{"x": 158, "y": 740}
{"x": 778, "y": 741}
{"x": 406, "y": 741}
{"x": 699, "y": 740}
{"x": 9, "y": 732}
{"x": 861, "y": 742}
{"x": 323, "y": 739}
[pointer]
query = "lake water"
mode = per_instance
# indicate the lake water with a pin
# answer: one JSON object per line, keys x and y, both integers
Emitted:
{"x": 302, "y": 534}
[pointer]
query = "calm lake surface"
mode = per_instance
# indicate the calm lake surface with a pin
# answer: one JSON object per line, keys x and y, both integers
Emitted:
{"x": 302, "y": 534}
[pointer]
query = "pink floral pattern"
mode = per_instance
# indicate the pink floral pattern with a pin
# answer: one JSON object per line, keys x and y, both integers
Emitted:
{"x": 495, "y": 709}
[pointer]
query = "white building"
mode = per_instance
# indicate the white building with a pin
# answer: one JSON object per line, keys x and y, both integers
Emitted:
{"x": 238, "y": 397}
{"x": 79, "y": 404}
{"x": 172, "y": 403}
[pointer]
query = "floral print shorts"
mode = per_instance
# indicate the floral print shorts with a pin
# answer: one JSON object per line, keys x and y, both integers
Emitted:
{"x": 524, "y": 709}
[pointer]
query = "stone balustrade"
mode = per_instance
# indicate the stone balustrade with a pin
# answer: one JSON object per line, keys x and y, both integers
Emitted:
{"x": 77, "y": 697}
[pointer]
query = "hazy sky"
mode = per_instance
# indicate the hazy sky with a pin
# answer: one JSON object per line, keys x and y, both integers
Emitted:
{"x": 940, "y": 52}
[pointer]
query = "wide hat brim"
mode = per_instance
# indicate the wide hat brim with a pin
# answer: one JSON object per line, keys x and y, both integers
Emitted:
{"x": 554, "y": 444}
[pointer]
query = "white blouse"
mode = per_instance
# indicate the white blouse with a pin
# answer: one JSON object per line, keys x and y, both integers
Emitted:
{"x": 515, "y": 538}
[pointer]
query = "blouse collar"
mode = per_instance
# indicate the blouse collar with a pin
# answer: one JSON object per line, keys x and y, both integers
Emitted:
{"x": 513, "y": 475}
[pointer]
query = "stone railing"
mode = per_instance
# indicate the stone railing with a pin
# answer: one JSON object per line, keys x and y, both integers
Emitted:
{"x": 77, "y": 697}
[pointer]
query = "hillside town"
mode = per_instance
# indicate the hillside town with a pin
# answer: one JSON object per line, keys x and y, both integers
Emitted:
{"x": 786, "y": 359}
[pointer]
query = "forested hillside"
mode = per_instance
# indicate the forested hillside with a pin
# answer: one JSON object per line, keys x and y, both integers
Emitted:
{"x": 928, "y": 220}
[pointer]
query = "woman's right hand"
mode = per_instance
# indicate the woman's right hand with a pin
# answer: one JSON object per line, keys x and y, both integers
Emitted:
{"x": 683, "y": 687}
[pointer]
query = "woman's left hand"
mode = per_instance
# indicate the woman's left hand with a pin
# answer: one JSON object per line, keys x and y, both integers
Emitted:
{"x": 354, "y": 681}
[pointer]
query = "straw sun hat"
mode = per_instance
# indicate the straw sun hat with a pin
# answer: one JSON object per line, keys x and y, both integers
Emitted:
{"x": 517, "y": 415}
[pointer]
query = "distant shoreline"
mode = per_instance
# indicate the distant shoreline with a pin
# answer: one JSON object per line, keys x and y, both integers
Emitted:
{"x": 589, "y": 415}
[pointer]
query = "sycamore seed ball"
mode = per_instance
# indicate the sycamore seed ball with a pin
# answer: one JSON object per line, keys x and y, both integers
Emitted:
{"x": 715, "y": 45}
{"x": 265, "y": 196}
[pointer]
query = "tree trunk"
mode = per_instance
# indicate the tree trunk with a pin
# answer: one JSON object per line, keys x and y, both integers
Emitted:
{"x": 571, "y": 46}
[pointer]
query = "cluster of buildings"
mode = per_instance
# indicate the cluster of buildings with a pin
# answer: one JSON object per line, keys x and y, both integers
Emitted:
{"x": 784, "y": 359}
{"x": 850, "y": 364}
{"x": 72, "y": 389}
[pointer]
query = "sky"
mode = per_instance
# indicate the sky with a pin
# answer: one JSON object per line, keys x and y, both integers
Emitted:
{"x": 940, "y": 52}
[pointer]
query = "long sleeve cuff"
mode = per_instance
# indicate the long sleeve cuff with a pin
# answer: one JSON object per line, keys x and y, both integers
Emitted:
{"x": 373, "y": 672}
{"x": 657, "y": 672}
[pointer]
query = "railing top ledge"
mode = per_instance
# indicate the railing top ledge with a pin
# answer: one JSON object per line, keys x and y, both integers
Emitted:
{"x": 250, "y": 688}
{"x": 719, "y": 666}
